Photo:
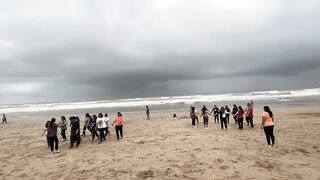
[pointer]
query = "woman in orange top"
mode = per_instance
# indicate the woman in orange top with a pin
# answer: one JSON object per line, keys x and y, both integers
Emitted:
{"x": 119, "y": 125}
{"x": 268, "y": 125}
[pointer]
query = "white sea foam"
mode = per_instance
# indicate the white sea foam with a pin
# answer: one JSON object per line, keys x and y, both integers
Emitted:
{"x": 259, "y": 95}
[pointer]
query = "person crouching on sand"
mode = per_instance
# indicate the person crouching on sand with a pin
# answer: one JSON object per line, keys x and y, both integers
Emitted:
{"x": 119, "y": 125}
{"x": 268, "y": 125}
{"x": 75, "y": 131}
{"x": 52, "y": 135}
{"x": 205, "y": 114}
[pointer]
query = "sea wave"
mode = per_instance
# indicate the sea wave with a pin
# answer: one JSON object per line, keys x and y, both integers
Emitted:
{"x": 258, "y": 95}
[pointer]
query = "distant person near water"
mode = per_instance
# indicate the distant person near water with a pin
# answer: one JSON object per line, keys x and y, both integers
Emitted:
{"x": 63, "y": 125}
{"x": 4, "y": 118}
{"x": 52, "y": 136}
{"x": 192, "y": 113}
{"x": 239, "y": 115}
{"x": 249, "y": 114}
{"x": 101, "y": 127}
{"x": 205, "y": 114}
{"x": 215, "y": 111}
{"x": 148, "y": 112}
{"x": 268, "y": 125}
{"x": 119, "y": 125}
{"x": 75, "y": 131}
{"x": 228, "y": 113}
{"x": 223, "y": 117}
{"x": 235, "y": 113}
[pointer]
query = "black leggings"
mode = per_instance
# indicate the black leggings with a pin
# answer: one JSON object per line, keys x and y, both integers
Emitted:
{"x": 228, "y": 118}
{"x": 119, "y": 130}
{"x": 102, "y": 135}
{"x": 240, "y": 123}
{"x": 223, "y": 121}
{"x": 54, "y": 141}
{"x": 84, "y": 130}
{"x": 250, "y": 121}
{"x": 268, "y": 130}
{"x": 216, "y": 118}
{"x": 193, "y": 121}
{"x": 75, "y": 137}
{"x": 236, "y": 118}
{"x": 94, "y": 133}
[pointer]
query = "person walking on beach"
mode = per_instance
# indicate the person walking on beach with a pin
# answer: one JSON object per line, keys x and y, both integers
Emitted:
{"x": 46, "y": 130}
{"x": 87, "y": 120}
{"x": 239, "y": 115}
{"x": 193, "y": 116}
{"x": 107, "y": 119}
{"x": 228, "y": 113}
{"x": 101, "y": 127}
{"x": 196, "y": 113}
{"x": 223, "y": 117}
{"x": 148, "y": 112}
{"x": 205, "y": 115}
{"x": 119, "y": 125}
{"x": 215, "y": 111}
{"x": 4, "y": 118}
{"x": 52, "y": 136}
{"x": 93, "y": 127}
{"x": 235, "y": 113}
{"x": 249, "y": 115}
{"x": 63, "y": 124}
{"x": 75, "y": 131}
{"x": 268, "y": 125}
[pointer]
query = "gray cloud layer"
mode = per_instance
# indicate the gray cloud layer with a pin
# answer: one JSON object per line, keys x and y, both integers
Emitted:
{"x": 55, "y": 51}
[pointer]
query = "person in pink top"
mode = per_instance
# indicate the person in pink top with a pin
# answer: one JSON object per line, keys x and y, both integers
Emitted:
{"x": 249, "y": 115}
{"x": 239, "y": 115}
{"x": 119, "y": 125}
{"x": 268, "y": 125}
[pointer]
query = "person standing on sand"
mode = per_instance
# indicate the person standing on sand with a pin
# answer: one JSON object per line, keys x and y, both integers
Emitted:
{"x": 239, "y": 115}
{"x": 223, "y": 117}
{"x": 52, "y": 136}
{"x": 235, "y": 113}
{"x": 101, "y": 127}
{"x": 205, "y": 114}
{"x": 193, "y": 116}
{"x": 148, "y": 112}
{"x": 196, "y": 112}
{"x": 119, "y": 125}
{"x": 46, "y": 130}
{"x": 4, "y": 118}
{"x": 93, "y": 125}
{"x": 87, "y": 120}
{"x": 249, "y": 115}
{"x": 107, "y": 119}
{"x": 228, "y": 113}
{"x": 268, "y": 125}
{"x": 75, "y": 131}
{"x": 63, "y": 124}
{"x": 215, "y": 111}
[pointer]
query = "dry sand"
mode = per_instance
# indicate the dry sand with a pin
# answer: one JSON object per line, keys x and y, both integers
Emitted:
{"x": 166, "y": 148}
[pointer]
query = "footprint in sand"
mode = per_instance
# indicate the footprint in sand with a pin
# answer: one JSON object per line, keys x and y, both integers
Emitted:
{"x": 145, "y": 174}
{"x": 224, "y": 167}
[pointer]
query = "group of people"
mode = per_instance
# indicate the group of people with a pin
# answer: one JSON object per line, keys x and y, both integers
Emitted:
{"x": 222, "y": 115}
{"x": 92, "y": 123}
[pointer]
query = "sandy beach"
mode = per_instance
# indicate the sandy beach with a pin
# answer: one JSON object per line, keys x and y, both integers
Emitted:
{"x": 167, "y": 148}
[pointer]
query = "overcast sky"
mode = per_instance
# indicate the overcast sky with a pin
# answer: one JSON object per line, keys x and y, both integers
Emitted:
{"x": 81, "y": 50}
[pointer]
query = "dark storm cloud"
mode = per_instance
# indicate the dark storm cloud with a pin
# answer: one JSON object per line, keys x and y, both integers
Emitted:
{"x": 124, "y": 49}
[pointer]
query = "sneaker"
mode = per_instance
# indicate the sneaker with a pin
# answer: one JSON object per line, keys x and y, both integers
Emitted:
{"x": 194, "y": 126}
{"x": 57, "y": 151}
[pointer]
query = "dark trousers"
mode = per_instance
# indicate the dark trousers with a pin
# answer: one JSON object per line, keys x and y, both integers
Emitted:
{"x": 240, "y": 123}
{"x": 102, "y": 134}
{"x": 216, "y": 118}
{"x": 48, "y": 142}
{"x": 236, "y": 119}
{"x": 197, "y": 119}
{"x": 75, "y": 137}
{"x": 193, "y": 121}
{"x": 268, "y": 130}
{"x": 228, "y": 118}
{"x": 63, "y": 133}
{"x": 205, "y": 121}
{"x": 119, "y": 131}
{"x": 250, "y": 121}
{"x": 84, "y": 130}
{"x": 148, "y": 116}
{"x": 94, "y": 133}
{"x": 54, "y": 142}
{"x": 224, "y": 121}
{"x": 4, "y": 121}
{"x": 107, "y": 131}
